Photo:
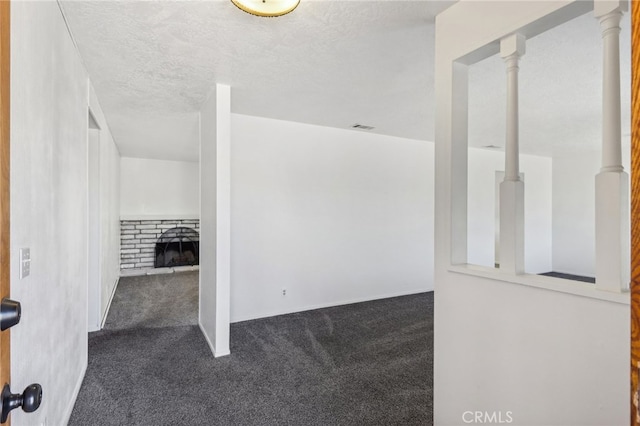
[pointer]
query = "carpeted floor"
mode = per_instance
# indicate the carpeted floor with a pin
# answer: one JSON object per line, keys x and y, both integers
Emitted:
{"x": 572, "y": 277}
{"x": 362, "y": 364}
{"x": 154, "y": 301}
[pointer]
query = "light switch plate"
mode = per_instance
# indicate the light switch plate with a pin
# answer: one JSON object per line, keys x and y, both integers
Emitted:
{"x": 25, "y": 262}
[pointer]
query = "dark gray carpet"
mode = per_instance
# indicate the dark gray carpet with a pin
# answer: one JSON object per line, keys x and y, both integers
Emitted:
{"x": 164, "y": 300}
{"x": 362, "y": 364}
{"x": 570, "y": 277}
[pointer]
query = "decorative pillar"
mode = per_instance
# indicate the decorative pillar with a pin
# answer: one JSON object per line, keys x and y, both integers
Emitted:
{"x": 612, "y": 183}
{"x": 512, "y": 188}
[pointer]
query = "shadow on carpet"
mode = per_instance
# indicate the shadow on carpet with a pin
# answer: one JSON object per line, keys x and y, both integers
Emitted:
{"x": 362, "y": 364}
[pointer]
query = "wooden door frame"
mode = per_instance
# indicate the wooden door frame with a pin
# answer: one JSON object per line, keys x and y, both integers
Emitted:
{"x": 5, "y": 257}
{"x": 635, "y": 210}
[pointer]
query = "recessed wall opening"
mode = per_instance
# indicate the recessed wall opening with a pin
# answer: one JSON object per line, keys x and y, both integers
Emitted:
{"x": 559, "y": 196}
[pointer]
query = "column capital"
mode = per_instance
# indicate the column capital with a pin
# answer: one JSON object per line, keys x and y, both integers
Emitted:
{"x": 610, "y": 23}
{"x": 512, "y": 45}
{"x": 602, "y": 8}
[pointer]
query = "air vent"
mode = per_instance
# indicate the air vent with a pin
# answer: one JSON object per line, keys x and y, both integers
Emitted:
{"x": 362, "y": 127}
{"x": 492, "y": 146}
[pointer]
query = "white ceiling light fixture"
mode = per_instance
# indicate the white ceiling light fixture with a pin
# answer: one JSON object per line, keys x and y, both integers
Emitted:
{"x": 268, "y": 8}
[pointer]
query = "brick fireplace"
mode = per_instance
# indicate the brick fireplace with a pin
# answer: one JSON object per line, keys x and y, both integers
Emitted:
{"x": 139, "y": 239}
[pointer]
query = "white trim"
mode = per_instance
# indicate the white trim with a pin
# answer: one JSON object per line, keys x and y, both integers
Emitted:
{"x": 106, "y": 311}
{"x": 76, "y": 392}
{"x": 213, "y": 349}
{"x": 137, "y": 272}
{"x": 330, "y": 305}
{"x": 219, "y": 354}
{"x": 560, "y": 285}
{"x": 189, "y": 216}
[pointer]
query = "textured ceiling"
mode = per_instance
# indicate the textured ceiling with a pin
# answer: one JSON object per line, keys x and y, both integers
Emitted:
{"x": 329, "y": 63}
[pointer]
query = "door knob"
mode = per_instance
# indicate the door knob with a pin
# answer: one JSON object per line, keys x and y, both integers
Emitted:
{"x": 10, "y": 312}
{"x": 29, "y": 400}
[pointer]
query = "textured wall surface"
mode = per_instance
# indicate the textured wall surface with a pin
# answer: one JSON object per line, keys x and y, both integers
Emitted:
{"x": 48, "y": 209}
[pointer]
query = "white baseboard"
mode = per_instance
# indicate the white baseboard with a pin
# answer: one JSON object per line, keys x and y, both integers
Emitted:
{"x": 74, "y": 395}
{"x": 106, "y": 311}
{"x": 213, "y": 348}
{"x": 328, "y": 305}
{"x": 206, "y": 337}
{"x": 219, "y": 354}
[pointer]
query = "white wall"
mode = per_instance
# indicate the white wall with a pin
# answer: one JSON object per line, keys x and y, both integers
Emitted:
{"x": 48, "y": 210}
{"x": 347, "y": 216}
{"x": 481, "y": 219}
{"x": 574, "y": 234}
{"x": 333, "y": 216}
{"x": 158, "y": 188}
{"x": 109, "y": 211}
{"x": 504, "y": 344}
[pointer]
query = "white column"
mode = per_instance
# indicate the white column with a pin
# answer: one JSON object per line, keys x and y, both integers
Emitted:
{"x": 223, "y": 219}
{"x": 512, "y": 188}
{"x": 612, "y": 183}
{"x": 611, "y": 118}
{"x": 215, "y": 220}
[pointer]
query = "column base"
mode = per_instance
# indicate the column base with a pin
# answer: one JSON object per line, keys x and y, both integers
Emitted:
{"x": 612, "y": 232}
{"x": 512, "y": 227}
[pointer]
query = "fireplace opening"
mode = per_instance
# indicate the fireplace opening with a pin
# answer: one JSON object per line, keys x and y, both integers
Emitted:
{"x": 177, "y": 247}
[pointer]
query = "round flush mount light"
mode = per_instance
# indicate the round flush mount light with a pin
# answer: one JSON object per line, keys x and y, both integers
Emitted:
{"x": 269, "y": 8}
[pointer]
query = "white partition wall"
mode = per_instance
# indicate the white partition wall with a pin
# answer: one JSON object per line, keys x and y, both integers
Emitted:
{"x": 511, "y": 347}
{"x": 215, "y": 219}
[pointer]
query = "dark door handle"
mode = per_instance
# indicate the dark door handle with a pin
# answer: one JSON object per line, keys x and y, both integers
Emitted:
{"x": 29, "y": 400}
{"x": 10, "y": 312}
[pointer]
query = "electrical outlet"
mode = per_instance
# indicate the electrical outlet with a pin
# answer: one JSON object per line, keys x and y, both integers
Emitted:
{"x": 284, "y": 291}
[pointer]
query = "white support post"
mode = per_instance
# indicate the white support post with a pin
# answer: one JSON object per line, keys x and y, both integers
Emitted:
{"x": 612, "y": 183}
{"x": 512, "y": 188}
{"x": 215, "y": 220}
